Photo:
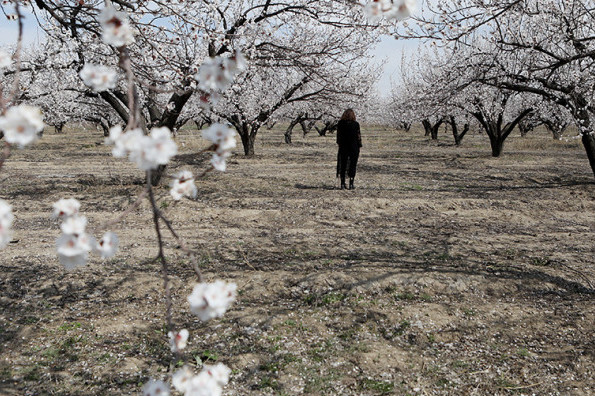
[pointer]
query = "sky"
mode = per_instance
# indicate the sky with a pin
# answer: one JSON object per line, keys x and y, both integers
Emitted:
{"x": 391, "y": 51}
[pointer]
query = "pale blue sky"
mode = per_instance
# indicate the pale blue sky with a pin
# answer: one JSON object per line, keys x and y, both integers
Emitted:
{"x": 391, "y": 51}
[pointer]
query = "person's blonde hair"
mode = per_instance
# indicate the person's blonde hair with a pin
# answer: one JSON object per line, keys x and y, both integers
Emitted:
{"x": 348, "y": 115}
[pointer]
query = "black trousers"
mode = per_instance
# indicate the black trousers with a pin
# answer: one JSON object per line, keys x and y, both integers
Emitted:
{"x": 347, "y": 161}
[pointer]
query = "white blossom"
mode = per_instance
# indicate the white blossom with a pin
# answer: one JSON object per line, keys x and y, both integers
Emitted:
{"x": 218, "y": 133}
{"x": 148, "y": 152}
{"x": 218, "y": 162}
{"x": 211, "y": 300}
{"x": 211, "y": 76}
{"x": 156, "y": 388}
{"x": 74, "y": 225}
{"x": 203, "y": 384}
{"x": 115, "y": 133}
{"x": 116, "y": 28}
{"x": 226, "y": 144}
{"x": 124, "y": 143}
{"x": 205, "y": 101}
{"x": 21, "y": 124}
{"x": 107, "y": 246}
{"x": 217, "y": 74}
{"x": 6, "y": 218}
{"x": 181, "y": 379}
{"x": 390, "y": 9}
{"x": 219, "y": 372}
{"x": 73, "y": 250}
{"x": 178, "y": 340}
{"x": 183, "y": 186}
{"x": 154, "y": 150}
{"x": 224, "y": 139}
{"x": 66, "y": 207}
{"x": 98, "y": 77}
{"x": 5, "y": 59}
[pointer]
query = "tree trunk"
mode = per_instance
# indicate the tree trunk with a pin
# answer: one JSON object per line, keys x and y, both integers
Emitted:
{"x": 248, "y": 135}
{"x": 59, "y": 127}
{"x": 589, "y": 143}
{"x": 434, "y": 133}
{"x": 432, "y": 129}
{"x": 495, "y": 131}
{"x": 307, "y": 127}
{"x": 156, "y": 175}
{"x": 583, "y": 121}
{"x": 329, "y": 126}
{"x": 427, "y": 127}
{"x": 524, "y": 130}
{"x": 497, "y": 143}
{"x": 104, "y": 126}
{"x": 248, "y": 143}
{"x": 557, "y": 129}
{"x": 168, "y": 119}
{"x": 455, "y": 131}
{"x": 289, "y": 130}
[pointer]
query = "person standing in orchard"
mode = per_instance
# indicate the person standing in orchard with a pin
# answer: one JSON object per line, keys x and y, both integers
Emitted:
{"x": 349, "y": 139}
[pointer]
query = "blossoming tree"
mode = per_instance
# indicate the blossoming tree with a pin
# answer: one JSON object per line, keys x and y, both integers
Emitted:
{"x": 542, "y": 47}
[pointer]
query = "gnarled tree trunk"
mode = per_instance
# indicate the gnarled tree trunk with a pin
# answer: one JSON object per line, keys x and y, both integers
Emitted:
{"x": 455, "y": 131}
{"x": 289, "y": 129}
{"x": 496, "y": 132}
{"x": 432, "y": 129}
{"x": 586, "y": 129}
{"x": 329, "y": 126}
{"x": 557, "y": 129}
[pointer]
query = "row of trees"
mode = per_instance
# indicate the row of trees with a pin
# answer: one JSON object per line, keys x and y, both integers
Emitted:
{"x": 302, "y": 57}
{"x": 516, "y": 63}
{"x": 502, "y": 64}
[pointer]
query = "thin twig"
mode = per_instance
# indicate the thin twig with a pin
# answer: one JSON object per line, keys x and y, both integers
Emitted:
{"x": 161, "y": 255}
{"x": 133, "y": 108}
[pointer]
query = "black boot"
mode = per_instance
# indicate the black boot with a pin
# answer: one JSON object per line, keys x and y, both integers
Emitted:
{"x": 343, "y": 186}
{"x": 351, "y": 186}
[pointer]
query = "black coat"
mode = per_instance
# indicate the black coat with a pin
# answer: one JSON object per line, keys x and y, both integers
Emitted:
{"x": 349, "y": 139}
{"x": 348, "y": 135}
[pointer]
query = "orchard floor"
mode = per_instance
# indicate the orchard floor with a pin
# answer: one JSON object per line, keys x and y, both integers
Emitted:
{"x": 446, "y": 272}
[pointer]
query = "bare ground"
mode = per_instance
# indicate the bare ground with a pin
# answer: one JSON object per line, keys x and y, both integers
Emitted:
{"x": 446, "y": 272}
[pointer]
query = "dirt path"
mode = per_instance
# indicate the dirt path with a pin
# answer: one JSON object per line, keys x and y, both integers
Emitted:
{"x": 445, "y": 272}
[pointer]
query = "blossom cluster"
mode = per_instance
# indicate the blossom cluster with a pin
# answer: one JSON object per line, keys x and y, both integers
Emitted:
{"x": 209, "y": 382}
{"x": 115, "y": 27}
{"x": 21, "y": 124}
{"x": 224, "y": 140}
{"x": 6, "y": 219}
{"x": 148, "y": 152}
{"x": 183, "y": 185}
{"x": 217, "y": 74}
{"x": 178, "y": 340}
{"x": 74, "y": 244}
{"x": 211, "y": 300}
{"x": 99, "y": 78}
{"x": 390, "y": 9}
